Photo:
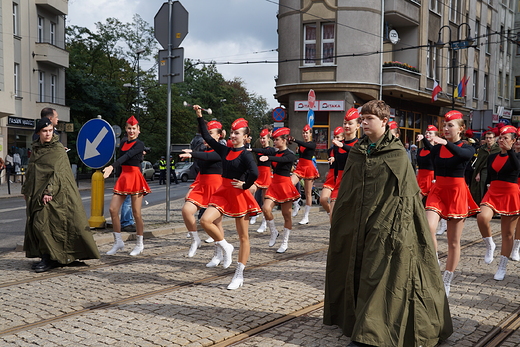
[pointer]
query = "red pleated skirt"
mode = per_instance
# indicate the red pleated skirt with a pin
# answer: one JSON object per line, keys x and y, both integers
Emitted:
{"x": 330, "y": 180}
{"x": 131, "y": 182}
{"x": 264, "y": 177}
{"x": 306, "y": 169}
{"x": 234, "y": 202}
{"x": 195, "y": 182}
{"x": 424, "y": 179}
{"x": 282, "y": 190}
{"x": 450, "y": 198}
{"x": 335, "y": 192}
{"x": 204, "y": 189}
{"x": 503, "y": 198}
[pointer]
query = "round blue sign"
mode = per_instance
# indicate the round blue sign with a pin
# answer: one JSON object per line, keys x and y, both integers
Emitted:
{"x": 279, "y": 114}
{"x": 96, "y": 143}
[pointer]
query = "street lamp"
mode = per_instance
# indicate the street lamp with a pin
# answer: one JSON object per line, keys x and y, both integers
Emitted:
{"x": 454, "y": 46}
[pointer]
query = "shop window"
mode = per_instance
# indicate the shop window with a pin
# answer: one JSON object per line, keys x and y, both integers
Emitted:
{"x": 321, "y": 134}
{"x": 517, "y": 87}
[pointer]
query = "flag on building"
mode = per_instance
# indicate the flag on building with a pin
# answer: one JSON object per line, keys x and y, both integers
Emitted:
{"x": 436, "y": 90}
{"x": 460, "y": 92}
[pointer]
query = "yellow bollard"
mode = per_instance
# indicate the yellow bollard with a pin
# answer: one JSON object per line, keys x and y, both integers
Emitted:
{"x": 97, "y": 201}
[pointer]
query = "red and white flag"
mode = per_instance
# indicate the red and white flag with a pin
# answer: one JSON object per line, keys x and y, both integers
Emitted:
{"x": 436, "y": 90}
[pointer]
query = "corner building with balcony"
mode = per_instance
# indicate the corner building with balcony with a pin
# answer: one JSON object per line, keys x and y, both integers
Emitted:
{"x": 33, "y": 60}
{"x": 334, "y": 48}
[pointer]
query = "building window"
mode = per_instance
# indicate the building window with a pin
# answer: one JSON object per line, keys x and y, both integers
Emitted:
{"x": 485, "y": 88}
{"x": 310, "y": 44}
{"x": 429, "y": 49}
{"x": 40, "y": 29}
{"x": 518, "y": 44}
{"x": 327, "y": 43}
{"x": 506, "y": 84}
{"x": 435, "y": 5}
{"x": 475, "y": 84}
{"x": 16, "y": 79}
{"x": 53, "y": 88}
{"x": 454, "y": 10}
{"x": 499, "y": 85}
{"x": 52, "y": 33}
{"x": 488, "y": 39}
{"x": 41, "y": 86}
{"x": 15, "y": 19}
{"x": 477, "y": 34}
{"x": 517, "y": 87}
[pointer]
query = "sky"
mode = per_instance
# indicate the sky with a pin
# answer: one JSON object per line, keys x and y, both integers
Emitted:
{"x": 218, "y": 30}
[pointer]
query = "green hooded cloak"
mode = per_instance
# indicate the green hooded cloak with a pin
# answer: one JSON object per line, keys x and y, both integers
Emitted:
{"x": 383, "y": 285}
{"x": 60, "y": 227}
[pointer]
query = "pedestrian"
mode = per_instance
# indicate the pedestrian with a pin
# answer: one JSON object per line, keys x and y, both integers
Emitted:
{"x": 131, "y": 182}
{"x": 502, "y": 197}
{"x": 233, "y": 198}
{"x": 479, "y": 177}
{"x": 413, "y": 156}
{"x": 281, "y": 190}
{"x": 394, "y": 129}
{"x": 56, "y": 229}
{"x": 264, "y": 174}
{"x": 449, "y": 197}
{"x": 306, "y": 170}
{"x": 382, "y": 285}
{"x": 9, "y": 166}
{"x": 162, "y": 170}
{"x": 330, "y": 179}
{"x": 351, "y": 127}
{"x": 208, "y": 180}
{"x": 2, "y": 167}
{"x": 515, "y": 253}
{"x": 173, "y": 174}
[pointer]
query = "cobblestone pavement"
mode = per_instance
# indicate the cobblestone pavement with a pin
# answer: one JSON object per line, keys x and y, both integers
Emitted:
{"x": 164, "y": 298}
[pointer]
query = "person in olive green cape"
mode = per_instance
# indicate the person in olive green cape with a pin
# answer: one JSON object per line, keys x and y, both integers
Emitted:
{"x": 479, "y": 177}
{"x": 56, "y": 229}
{"x": 383, "y": 284}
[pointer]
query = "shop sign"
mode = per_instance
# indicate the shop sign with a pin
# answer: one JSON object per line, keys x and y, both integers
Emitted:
{"x": 507, "y": 114}
{"x": 21, "y": 122}
{"x": 320, "y": 105}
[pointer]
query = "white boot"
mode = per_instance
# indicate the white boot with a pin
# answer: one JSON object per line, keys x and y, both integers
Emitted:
{"x": 209, "y": 240}
{"x": 252, "y": 220}
{"x": 515, "y": 254}
{"x": 285, "y": 241}
{"x": 238, "y": 279}
{"x": 490, "y": 249}
{"x": 217, "y": 257}
{"x": 295, "y": 207}
{"x": 118, "y": 244}
{"x": 262, "y": 227}
{"x": 274, "y": 232}
{"x": 501, "y": 272}
{"x": 227, "y": 253}
{"x": 441, "y": 227}
{"x": 446, "y": 278}
{"x": 305, "y": 219}
{"x": 139, "y": 246}
{"x": 195, "y": 244}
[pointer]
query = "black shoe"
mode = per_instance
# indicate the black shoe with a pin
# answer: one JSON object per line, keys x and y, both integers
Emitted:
{"x": 46, "y": 264}
{"x": 35, "y": 264}
{"x": 129, "y": 228}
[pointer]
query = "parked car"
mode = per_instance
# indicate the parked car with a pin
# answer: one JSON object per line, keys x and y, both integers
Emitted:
{"x": 147, "y": 170}
{"x": 183, "y": 171}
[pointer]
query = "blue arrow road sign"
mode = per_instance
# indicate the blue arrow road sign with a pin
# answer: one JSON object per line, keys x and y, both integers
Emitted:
{"x": 96, "y": 143}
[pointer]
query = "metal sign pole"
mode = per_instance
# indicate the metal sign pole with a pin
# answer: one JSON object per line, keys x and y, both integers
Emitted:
{"x": 168, "y": 116}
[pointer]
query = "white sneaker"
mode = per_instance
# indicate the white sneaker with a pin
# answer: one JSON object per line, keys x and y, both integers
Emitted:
{"x": 217, "y": 257}
{"x": 252, "y": 220}
{"x": 209, "y": 240}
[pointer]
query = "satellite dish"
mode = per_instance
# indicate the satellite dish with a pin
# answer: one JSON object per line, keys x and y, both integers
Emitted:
{"x": 393, "y": 36}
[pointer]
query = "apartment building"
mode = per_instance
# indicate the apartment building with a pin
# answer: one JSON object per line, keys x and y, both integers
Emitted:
{"x": 352, "y": 51}
{"x": 32, "y": 69}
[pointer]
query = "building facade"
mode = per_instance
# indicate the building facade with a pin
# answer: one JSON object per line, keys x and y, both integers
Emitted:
{"x": 32, "y": 69}
{"x": 353, "y": 51}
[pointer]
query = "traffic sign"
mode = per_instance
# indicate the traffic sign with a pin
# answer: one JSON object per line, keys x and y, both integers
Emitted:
{"x": 96, "y": 143}
{"x": 177, "y": 66}
{"x": 179, "y": 25}
{"x": 310, "y": 118}
{"x": 456, "y": 45}
{"x": 279, "y": 114}
{"x": 311, "y": 98}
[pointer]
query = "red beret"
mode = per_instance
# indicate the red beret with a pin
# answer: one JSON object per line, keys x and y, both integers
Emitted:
{"x": 132, "y": 121}
{"x": 239, "y": 123}
{"x": 451, "y": 115}
{"x": 431, "y": 128}
{"x": 264, "y": 132}
{"x": 508, "y": 129}
{"x": 469, "y": 133}
{"x": 307, "y": 127}
{"x": 281, "y": 131}
{"x": 213, "y": 124}
{"x": 393, "y": 125}
{"x": 351, "y": 114}
{"x": 338, "y": 131}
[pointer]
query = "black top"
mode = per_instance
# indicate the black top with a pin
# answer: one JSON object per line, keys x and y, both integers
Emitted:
{"x": 208, "y": 161}
{"x": 258, "y": 154}
{"x": 237, "y": 163}
{"x": 306, "y": 149}
{"x": 424, "y": 159}
{"x": 508, "y": 172}
{"x": 282, "y": 161}
{"x": 131, "y": 153}
{"x": 450, "y": 160}
{"x": 330, "y": 153}
{"x": 341, "y": 154}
